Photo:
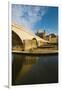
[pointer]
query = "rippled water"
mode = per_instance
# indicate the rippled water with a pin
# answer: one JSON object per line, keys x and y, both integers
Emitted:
{"x": 29, "y": 69}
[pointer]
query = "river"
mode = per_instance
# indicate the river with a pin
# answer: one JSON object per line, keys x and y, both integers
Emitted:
{"x": 31, "y": 69}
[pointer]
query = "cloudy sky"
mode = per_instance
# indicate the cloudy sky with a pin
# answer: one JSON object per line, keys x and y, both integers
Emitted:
{"x": 36, "y": 17}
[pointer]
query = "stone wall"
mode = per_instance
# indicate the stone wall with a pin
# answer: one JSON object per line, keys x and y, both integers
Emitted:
{"x": 29, "y": 44}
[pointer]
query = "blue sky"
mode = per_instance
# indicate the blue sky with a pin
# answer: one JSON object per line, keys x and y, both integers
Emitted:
{"x": 36, "y": 17}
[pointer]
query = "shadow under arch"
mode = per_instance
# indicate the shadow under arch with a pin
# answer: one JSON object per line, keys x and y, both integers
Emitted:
{"x": 17, "y": 43}
{"x": 34, "y": 43}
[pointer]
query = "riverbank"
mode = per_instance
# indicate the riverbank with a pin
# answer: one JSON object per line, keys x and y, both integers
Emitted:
{"x": 37, "y": 51}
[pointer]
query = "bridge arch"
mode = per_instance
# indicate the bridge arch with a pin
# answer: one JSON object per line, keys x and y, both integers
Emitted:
{"x": 34, "y": 42}
{"x": 17, "y": 43}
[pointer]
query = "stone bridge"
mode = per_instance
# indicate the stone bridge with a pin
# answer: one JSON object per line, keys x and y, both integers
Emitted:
{"x": 24, "y": 39}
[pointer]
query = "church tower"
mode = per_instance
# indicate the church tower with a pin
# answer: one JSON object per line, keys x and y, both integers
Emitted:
{"x": 44, "y": 35}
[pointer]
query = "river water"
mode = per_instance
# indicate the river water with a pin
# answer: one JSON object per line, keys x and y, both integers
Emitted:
{"x": 31, "y": 69}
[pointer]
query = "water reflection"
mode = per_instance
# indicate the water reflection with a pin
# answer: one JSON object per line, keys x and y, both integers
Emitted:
{"x": 34, "y": 69}
{"x": 20, "y": 66}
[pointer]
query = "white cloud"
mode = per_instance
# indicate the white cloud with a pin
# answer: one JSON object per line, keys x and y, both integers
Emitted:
{"x": 27, "y": 15}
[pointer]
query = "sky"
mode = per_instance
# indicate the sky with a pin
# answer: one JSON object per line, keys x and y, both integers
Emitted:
{"x": 36, "y": 17}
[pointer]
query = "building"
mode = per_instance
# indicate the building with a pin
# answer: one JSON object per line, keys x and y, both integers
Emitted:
{"x": 52, "y": 38}
{"x": 41, "y": 33}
